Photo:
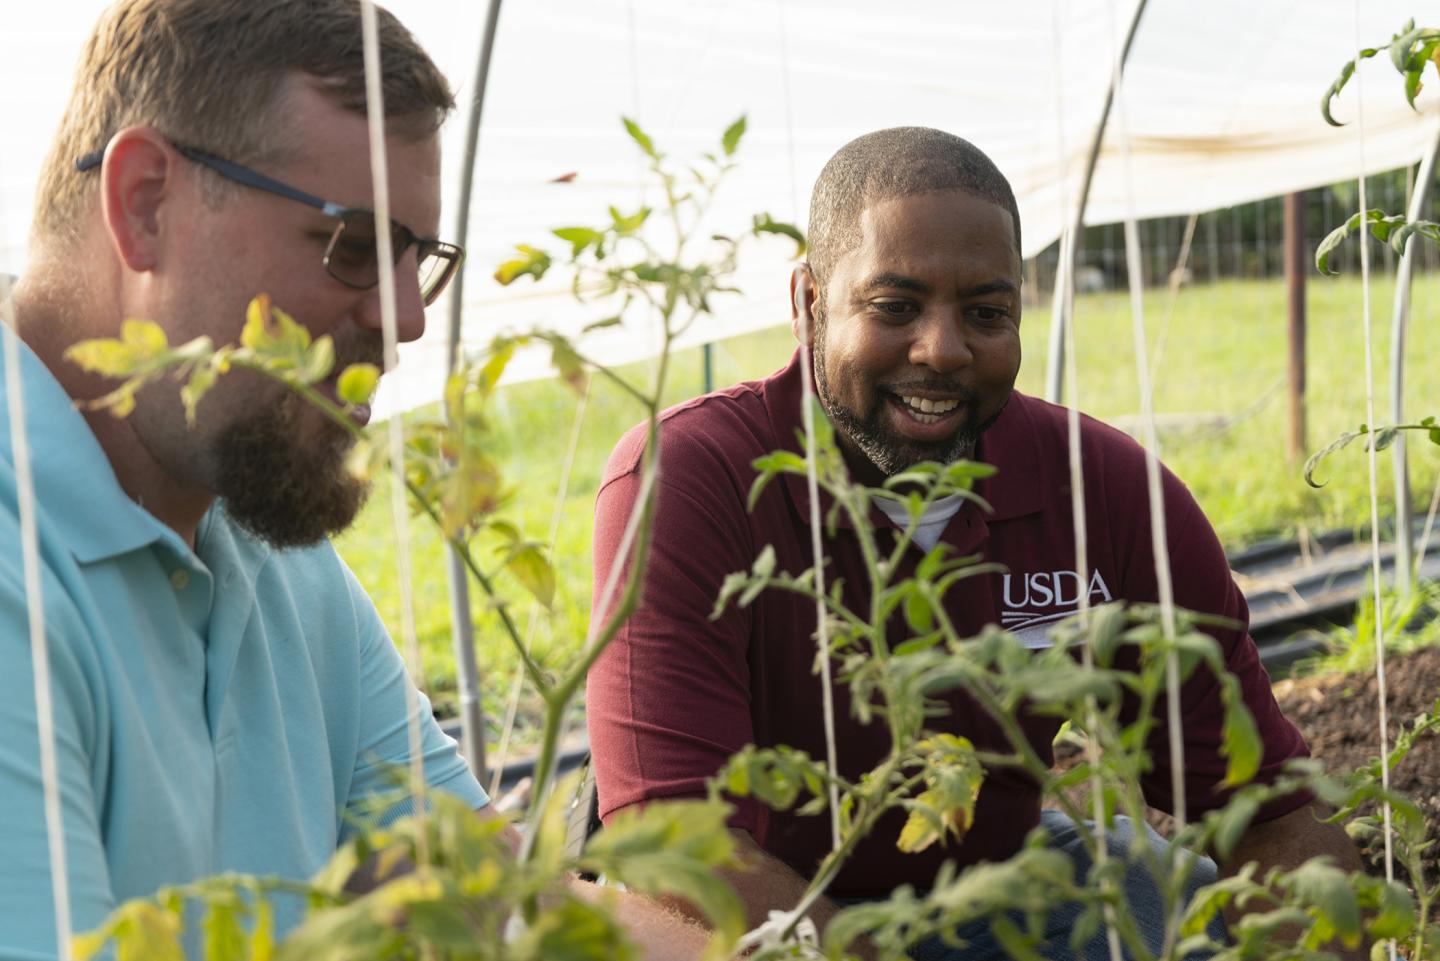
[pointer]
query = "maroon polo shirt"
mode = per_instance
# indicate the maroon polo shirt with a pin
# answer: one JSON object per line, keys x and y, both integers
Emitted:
{"x": 676, "y": 693}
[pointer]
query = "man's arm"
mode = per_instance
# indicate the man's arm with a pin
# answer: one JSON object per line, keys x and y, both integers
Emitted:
{"x": 1287, "y": 842}
{"x": 661, "y": 932}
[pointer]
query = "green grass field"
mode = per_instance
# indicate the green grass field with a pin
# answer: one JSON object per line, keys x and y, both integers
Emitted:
{"x": 1223, "y": 353}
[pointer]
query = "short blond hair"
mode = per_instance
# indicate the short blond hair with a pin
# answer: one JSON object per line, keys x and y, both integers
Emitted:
{"x": 206, "y": 73}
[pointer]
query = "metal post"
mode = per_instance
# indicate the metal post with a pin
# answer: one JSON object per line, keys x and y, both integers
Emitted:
{"x": 1297, "y": 259}
{"x": 707, "y": 362}
{"x": 1065, "y": 269}
{"x": 1404, "y": 523}
{"x": 462, "y": 628}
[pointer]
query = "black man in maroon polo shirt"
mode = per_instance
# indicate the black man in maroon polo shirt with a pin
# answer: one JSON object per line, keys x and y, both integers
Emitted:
{"x": 913, "y": 284}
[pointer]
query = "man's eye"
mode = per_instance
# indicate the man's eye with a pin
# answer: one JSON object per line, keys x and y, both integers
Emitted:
{"x": 989, "y": 315}
{"x": 894, "y": 309}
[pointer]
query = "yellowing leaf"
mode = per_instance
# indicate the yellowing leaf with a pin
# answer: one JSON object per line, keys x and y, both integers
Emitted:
{"x": 202, "y": 378}
{"x": 923, "y": 827}
{"x": 145, "y": 337}
{"x": 83, "y": 947}
{"x": 274, "y": 335}
{"x": 319, "y": 360}
{"x": 532, "y": 263}
{"x": 262, "y": 934}
{"x": 357, "y": 383}
{"x": 533, "y": 570}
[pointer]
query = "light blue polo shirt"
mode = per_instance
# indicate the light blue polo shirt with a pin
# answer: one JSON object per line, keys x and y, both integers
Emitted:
{"x": 224, "y": 709}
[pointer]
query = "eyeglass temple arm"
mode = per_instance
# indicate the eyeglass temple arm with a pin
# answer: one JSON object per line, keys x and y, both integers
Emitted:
{"x": 237, "y": 173}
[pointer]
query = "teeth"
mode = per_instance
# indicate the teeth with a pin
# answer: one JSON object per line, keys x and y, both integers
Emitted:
{"x": 926, "y": 406}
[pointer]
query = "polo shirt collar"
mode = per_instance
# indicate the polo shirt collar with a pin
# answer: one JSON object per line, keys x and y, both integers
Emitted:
{"x": 74, "y": 483}
{"x": 1011, "y": 445}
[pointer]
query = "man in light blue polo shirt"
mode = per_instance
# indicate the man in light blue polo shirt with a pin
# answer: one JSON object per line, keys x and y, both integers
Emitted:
{"x": 225, "y": 696}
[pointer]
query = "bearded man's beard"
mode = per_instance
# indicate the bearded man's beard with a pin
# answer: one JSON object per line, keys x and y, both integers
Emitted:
{"x": 887, "y": 450}
{"x": 286, "y": 484}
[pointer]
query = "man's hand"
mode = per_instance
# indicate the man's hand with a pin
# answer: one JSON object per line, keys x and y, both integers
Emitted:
{"x": 661, "y": 933}
{"x": 764, "y": 884}
{"x": 1289, "y": 841}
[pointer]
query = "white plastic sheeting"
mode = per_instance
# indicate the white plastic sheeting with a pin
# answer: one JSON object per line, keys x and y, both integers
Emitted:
{"x": 1221, "y": 98}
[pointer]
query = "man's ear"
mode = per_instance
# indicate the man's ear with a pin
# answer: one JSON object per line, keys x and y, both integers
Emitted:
{"x": 802, "y": 305}
{"x": 137, "y": 176}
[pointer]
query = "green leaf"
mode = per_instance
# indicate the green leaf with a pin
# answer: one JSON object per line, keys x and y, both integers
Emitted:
{"x": 1396, "y": 917}
{"x": 760, "y": 573}
{"x": 602, "y": 324}
{"x": 1233, "y": 822}
{"x": 531, "y": 568}
{"x": 673, "y": 848}
{"x": 567, "y": 363}
{"x": 918, "y": 614}
{"x": 578, "y": 238}
{"x": 626, "y": 224}
{"x": 1242, "y": 746}
{"x": 1328, "y": 890}
{"x": 1332, "y": 240}
{"x": 1346, "y": 72}
{"x": 765, "y": 224}
{"x": 641, "y": 138}
{"x": 357, "y": 383}
{"x": 730, "y": 140}
{"x": 575, "y": 931}
{"x": 1316, "y": 458}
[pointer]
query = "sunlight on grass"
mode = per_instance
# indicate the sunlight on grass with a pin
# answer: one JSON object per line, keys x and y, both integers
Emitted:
{"x": 1221, "y": 358}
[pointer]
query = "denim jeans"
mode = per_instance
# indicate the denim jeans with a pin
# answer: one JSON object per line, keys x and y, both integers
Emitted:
{"x": 1144, "y": 902}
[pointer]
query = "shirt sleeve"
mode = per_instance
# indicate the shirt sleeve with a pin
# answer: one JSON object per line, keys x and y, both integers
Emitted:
{"x": 668, "y": 702}
{"x": 1203, "y": 583}
{"x": 383, "y": 754}
{"x": 27, "y": 909}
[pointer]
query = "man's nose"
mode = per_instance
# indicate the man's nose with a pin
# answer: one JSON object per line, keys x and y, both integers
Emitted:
{"x": 409, "y": 305}
{"x": 940, "y": 341}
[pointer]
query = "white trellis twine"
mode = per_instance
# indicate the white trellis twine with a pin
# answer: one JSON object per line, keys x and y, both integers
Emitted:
{"x": 812, "y": 484}
{"x": 380, "y": 178}
{"x": 1066, "y": 295}
{"x": 1159, "y": 540}
{"x": 1364, "y": 240}
{"x": 35, "y": 609}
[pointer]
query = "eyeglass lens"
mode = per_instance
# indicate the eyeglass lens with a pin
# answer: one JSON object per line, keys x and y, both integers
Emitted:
{"x": 352, "y": 257}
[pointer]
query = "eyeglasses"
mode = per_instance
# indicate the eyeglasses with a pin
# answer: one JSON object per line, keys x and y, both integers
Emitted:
{"x": 351, "y": 257}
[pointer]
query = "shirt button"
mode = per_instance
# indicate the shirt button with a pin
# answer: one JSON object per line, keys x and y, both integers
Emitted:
{"x": 179, "y": 578}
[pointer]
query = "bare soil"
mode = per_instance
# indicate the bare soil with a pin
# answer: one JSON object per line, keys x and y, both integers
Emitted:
{"x": 1338, "y": 715}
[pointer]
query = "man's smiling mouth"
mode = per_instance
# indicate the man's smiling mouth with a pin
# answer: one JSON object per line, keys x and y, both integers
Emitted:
{"x": 927, "y": 411}
{"x": 924, "y": 405}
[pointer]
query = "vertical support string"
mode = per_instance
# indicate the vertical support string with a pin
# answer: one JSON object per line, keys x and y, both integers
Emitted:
{"x": 1065, "y": 309}
{"x": 457, "y": 578}
{"x": 1159, "y": 540}
{"x": 1380, "y": 692}
{"x": 385, "y": 254}
{"x": 812, "y": 483}
{"x": 35, "y": 609}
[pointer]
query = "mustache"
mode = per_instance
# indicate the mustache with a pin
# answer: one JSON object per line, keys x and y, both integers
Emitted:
{"x": 367, "y": 348}
{"x": 938, "y": 385}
